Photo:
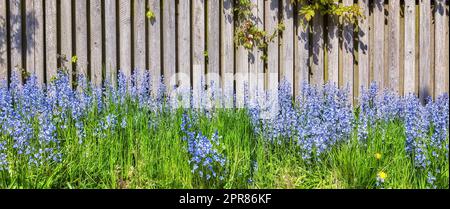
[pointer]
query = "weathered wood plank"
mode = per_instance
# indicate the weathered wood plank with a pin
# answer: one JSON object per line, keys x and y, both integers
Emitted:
{"x": 333, "y": 50}
{"x": 96, "y": 62}
{"x": 425, "y": 50}
{"x": 348, "y": 51}
{"x": 394, "y": 45}
{"x": 66, "y": 36}
{"x": 184, "y": 49}
{"x": 447, "y": 51}
{"x": 440, "y": 47}
{"x": 154, "y": 43}
{"x": 213, "y": 44}
{"x": 363, "y": 46}
{"x": 302, "y": 54}
{"x": 81, "y": 37}
{"x": 256, "y": 64}
{"x": 15, "y": 21}
{"x": 378, "y": 44}
{"x": 139, "y": 39}
{"x": 242, "y": 75}
{"x": 125, "y": 44}
{"x": 227, "y": 61}
{"x": 3, "y": 41}
{"x": 410, "y": 50}
{"x": 287, "y": 45}
{"x": 111, "y": 42}
{"x": 317, "y": 64}
{"x": 169, "y": 40}
{"x": 259, "y": 54}
{"x": 271, "y": 23}
{"x": 35, "y": 39}
{"x": 51, "y": 39}
{"x": 198, "y": 50}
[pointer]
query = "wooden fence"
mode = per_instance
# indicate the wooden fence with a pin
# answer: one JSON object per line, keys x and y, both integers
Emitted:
{"x": 402, "y": 45}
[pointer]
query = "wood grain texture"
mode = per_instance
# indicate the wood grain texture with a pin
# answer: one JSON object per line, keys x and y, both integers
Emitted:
{"x": 213, "y": 45}
{"x": 425, "y": 83}
{"x": 3, "y": 41}
{"x": 96, "y": 62}
{"x": 15, "y": 33}
{"x": 111, "y": 42}
{"x": 378, "y": 44}
{"x": 51, "y": 40}
{"x": 363, "y": 46}
{"x": 410, "y": 48}
{"x": 198, "y": 50}
{"x": 317, "y": 62}
{"x": 154, "y": 43}
{"x": 271, "y": 22}
{"x": 333, "y": 50}
{"x": 125, "y": 44}
{"x": 303, "y": 53}
{"x": 169, "y": 41}
{"x": 67, "y": 36}
{"x": 256, "y": 63}
{"x": 81, "y": 37}
{"x": 440, "y": 47}
{"x": 184, "y": 48}
{"x": 227, "y": 53}
{"x": 348, "y": 50}
{"x": 287, "y": 43}
{"x": 394, "y": 45}
{"x": 139, "y": 38}
{"x": 34, "y": 15}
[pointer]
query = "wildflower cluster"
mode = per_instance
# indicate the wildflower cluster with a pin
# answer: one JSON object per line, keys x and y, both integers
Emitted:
{"x": 206, "y": 161}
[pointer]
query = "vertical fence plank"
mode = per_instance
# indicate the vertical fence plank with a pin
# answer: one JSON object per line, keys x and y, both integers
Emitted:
{"x": 447, "y": 53}
{"x": 169, "y": 41}
{"x": 347, "y": 34}
{"x": 241, "y": 74}
{"x": 394, "y": 45}
{"x": 256, "y": 64}
{"x": 110, "y": 42}
{"x": 287, "y": 45}
{"x": 409, "y": 42}
{"x": 125, "y": 37}
{"x": 51, "y": 39}
{"x": 3, "y": 41}
{"x": 302, "y": 55}
{"x": 259, "y": 61}
{"x": 272, "y": 48}
{"x": 154, "y": 44}
{"x": 227, "y": 52}
{"x": 213, "y": 44}
{"x": 378, "y": 44}
{"x": 34, "y": 15}
{"x": 317, "y": 65}
{"x": 81, "y": 37}
{"x": 29, "y": 33}
{"x": 66, "y": 36}
{"x": 198, "y": 44}
{"x": 425, "y": 50}
{"x": 363, "y": 46}
{"x": 333, "y": 50}
{"x": 184, "y": 48}
{"x": 96, "y": 42}
{"x": 439, "y": 63}
{"x": 139, "y": 38}
{"x": 15, "y": 21}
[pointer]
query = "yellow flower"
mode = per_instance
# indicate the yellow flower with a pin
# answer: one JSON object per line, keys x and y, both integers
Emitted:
{"x": 377, "y": 156}
{"x": 74, "y": 59}
{"x": 382, "y": 175}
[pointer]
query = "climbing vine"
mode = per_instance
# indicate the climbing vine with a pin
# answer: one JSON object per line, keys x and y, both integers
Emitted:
{"x": 250, "y": 36}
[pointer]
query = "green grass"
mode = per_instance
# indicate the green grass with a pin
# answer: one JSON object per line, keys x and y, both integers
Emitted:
{"x": 143, "y": 156}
